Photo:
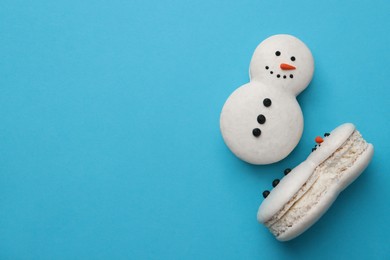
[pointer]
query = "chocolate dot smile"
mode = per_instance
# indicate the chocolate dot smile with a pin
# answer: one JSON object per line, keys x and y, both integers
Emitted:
{"x": 279, "y": 76}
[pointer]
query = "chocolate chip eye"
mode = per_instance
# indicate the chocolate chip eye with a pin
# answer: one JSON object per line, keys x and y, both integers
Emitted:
{"x": 277, "y": 53}
{"x": 326, "y": 134}
{"x": 287, "y": 171}
{"x": 266, "y": 193}
{"x": 275, "y": 183}
{"x": 292, "y": 58}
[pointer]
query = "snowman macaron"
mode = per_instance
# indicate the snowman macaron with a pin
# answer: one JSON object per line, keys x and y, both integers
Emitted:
{"x": 262, "y": 122}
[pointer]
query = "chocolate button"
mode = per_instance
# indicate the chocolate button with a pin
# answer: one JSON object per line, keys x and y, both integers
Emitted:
{"x": 261, "y": 119}
{"x": 267, "y": 102}
{"x": 256, "y": 132}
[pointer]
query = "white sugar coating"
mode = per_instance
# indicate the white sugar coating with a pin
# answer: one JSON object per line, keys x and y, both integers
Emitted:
{"x": 322, "y": 187}
{"x": 281, "y": 67}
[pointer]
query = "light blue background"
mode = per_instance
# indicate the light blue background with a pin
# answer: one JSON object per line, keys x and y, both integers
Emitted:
{"x": 109, "y": 128}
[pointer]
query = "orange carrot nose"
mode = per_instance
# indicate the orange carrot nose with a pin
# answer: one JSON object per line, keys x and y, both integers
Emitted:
{"x": 319, "y": 139}
{"x": 285, "y": 66}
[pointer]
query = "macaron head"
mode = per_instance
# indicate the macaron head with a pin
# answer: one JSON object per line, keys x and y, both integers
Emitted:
{"x": 283, "y": 61}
